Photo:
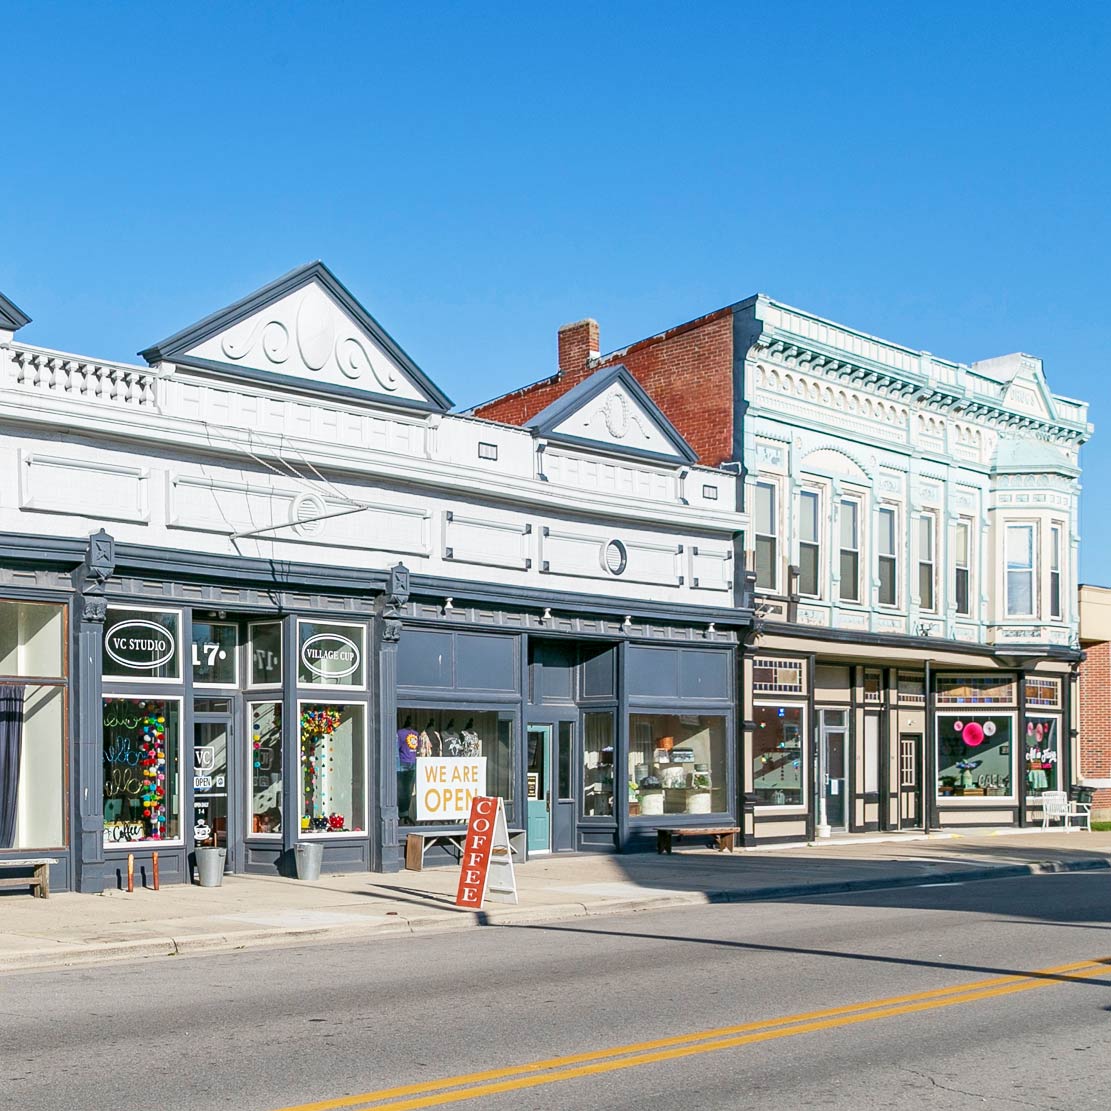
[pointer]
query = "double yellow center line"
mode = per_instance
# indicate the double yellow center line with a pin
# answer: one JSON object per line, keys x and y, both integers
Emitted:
{"x": 557, "y": 1069}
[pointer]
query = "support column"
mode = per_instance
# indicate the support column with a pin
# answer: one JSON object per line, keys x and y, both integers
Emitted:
{"x": 91, "y": 608}
{"x": 386, "y": 852}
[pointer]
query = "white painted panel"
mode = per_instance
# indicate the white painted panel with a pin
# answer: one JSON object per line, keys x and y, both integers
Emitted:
{"x": 228, "y": 507}
{"x": 56, "y": 484}
{"x": 486, "y": 542}
{"x": 582, "y": 554}
{"x": 711, "y": 568}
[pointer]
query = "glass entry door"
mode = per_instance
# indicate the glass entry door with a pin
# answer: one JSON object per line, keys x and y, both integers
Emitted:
{"x": 213, "y": 818}
{"x": 834, "y": 751}
{"x": 539, "y": 789}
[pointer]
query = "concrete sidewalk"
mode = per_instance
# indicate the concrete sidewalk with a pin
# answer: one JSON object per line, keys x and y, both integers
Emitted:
{"x": 254, "y": 911}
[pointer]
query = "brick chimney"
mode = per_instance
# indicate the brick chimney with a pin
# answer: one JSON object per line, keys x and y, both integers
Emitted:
{"x": 578, "y": 344}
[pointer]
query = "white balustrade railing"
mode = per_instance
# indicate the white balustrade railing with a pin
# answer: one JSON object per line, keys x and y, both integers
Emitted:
{"x": 54, "y": 372}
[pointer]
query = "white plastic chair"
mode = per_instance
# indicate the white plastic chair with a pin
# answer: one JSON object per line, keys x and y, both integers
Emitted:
{"x": 1058, "y": 805}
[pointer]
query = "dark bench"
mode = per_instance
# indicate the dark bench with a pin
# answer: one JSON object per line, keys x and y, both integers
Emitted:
{"x": 721, "y": 838}
{"x": 39, "y": 882}
{"x": 420, "y": 841}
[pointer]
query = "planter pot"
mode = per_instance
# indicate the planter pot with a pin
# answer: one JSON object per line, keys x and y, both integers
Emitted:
{"x": 308, "y": 856}
{"x": 210, "y": 866}
{"x": 651, "y": 801}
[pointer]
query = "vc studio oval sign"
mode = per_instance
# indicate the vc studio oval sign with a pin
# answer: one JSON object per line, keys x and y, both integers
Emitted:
{"x": 330, "y": 655}
{"x": 140, "y": 645}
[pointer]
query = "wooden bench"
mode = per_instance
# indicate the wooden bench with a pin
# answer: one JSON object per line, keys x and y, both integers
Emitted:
{"x": 721, "y": 838}
{"x": 418, "y": 843}
{"x": 39, "y": 883}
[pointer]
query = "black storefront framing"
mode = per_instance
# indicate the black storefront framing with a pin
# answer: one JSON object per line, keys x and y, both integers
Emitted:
{"x": 232, "y": 679}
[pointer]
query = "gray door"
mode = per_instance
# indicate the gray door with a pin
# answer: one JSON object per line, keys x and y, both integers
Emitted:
{"x": 910, "y": 780}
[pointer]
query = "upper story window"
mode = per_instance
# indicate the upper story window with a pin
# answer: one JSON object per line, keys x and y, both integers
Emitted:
{"x": 962, "y": 545}
{"x": 767, "y": 543}
{"x": 1055, "y": 571}
{"x": 850, "y": 550}
{"x": 927, "y": 566}
{"x": 809, "y": 542}
{"x": 888, "y": 561}
{"x": 1020, "y": 570}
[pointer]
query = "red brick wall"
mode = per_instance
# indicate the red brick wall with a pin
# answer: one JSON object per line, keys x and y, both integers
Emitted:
{"x": 1095, "y": 717}
{"x": 687, "y": 371}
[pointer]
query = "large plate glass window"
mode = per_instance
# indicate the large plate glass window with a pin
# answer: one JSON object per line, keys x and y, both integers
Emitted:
{"x": 215, "y": 654}
{"x": 850, "y": 550}
{"x": 444, "y": 757}
{"x": 266, "y": 653}
{"x": 32, "y": 725}
{"x": 1020, "y": 570}
{"x": 331, "y": 654}
{"x": 142, "y": 646}
{"x": 333, "y": 767}
{"x": 265, "y": 755}
{"x": 142, "y": 795}
{"x": 887, "y": 559}
{"x": 598, "y": 764}
{"x": 677, "y": 764}
{"x": 767, "y": 544}
{"x": 809, "y": 543}
{"x": 778, "y": 755}
{"x": 975, "y": 757}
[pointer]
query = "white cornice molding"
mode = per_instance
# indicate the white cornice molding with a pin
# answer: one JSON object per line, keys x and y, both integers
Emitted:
{"x": 912, "y": 388}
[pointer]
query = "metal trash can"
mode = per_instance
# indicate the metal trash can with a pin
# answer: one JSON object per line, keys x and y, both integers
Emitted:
{"x": 308, "y": 856}
{"x": 1082, "y": 794}
{"x": 210, "y": 866}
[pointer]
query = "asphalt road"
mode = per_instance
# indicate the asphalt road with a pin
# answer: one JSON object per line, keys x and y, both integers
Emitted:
{"x": 876, "y": 989}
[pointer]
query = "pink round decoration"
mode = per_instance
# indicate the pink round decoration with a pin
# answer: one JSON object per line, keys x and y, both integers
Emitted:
{"x": 973, "y": 734}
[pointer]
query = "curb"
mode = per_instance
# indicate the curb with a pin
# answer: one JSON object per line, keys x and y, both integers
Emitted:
{"x": 425, "y": 923}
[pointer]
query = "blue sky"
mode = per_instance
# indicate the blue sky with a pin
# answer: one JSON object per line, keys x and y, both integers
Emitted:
{"x": 480, "y": 174}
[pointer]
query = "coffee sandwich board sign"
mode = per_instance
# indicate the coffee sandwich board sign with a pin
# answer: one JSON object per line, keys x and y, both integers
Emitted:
{"x": 487, "y": 863}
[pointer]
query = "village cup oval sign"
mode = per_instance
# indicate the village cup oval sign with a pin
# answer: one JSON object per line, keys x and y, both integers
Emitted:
{"x": 330, "y": 655}
{"x": 140, "y": 645}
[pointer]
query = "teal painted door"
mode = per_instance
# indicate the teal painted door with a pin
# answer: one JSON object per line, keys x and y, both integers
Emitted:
{"x": 539, "y": 788}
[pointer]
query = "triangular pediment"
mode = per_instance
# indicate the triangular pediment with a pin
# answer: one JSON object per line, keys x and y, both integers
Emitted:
{"x": 304, "y": 328}
{"x": 611, "y": 410}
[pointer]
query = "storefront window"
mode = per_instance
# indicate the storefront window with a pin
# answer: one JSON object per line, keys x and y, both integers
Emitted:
{"x": 333, "y": 768}
{"x": 141, "y": 788}
{"x": 266, "y": 654}
{"x": 142, "y": 645}
{"x": 32, "y": 640}
{"x": 1043, "y": 755}
{"x": 445, "y": 757}
{"x": 778, "y": 763}
{"x": 598, "y": 764}
{"x": 677, "y": 764}
{"x": 266, "y": 767}
{"x": 974, "y": 757}
{"x": 330, "y": 655}
{"x": 32, "y": 725}
{"x": 215, "y": 654}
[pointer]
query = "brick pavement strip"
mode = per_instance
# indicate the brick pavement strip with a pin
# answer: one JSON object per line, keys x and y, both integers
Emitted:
{"x": 251, "y": 911}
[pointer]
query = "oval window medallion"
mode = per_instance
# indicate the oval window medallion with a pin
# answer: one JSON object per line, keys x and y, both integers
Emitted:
{"x": 614, "y": 557}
